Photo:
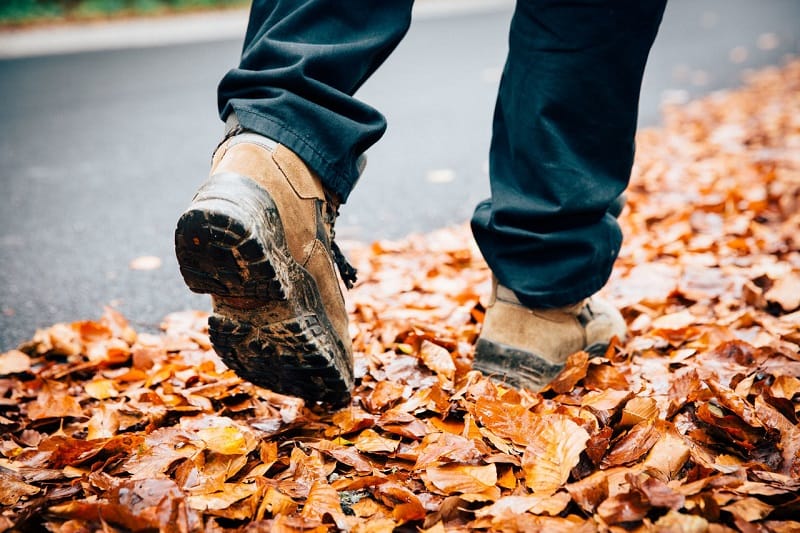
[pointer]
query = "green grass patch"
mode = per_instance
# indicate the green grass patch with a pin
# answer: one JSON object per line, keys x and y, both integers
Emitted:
{"x": 24, "y": 12}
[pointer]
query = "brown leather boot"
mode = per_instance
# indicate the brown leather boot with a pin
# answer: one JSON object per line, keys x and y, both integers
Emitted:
{"x": 528, "y": 347}
{"x": 258, "y": 237}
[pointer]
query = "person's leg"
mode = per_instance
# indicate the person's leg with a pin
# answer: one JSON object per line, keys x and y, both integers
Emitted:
{"x": 301, "y": 63}
{"x": 258, "y": 235}
{"x": 561, "y": 154}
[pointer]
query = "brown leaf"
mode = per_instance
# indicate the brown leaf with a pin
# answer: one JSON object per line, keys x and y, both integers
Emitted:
{"x": 656, "y": 492}
{"x": 322, "y": 501}
{"x": 589, "y": 491}
{"x": 230, "y": 494}
{"x": 732, "y": 401}
{"x": 277, "y": 503}
{"x": 346, "y": 455}
{"x": 405, "y": 505}
{"x": 667, "y": 457}
{"x": 749, "y": 509}
{"x": 513, "y": 505}
{"x": 451, "y": 479}
{"x": 441, "y": 448}
{"x": 574, "y": 371}
{"x": 54, "y": 401}
{"x": 598, "y": 444}
{"x": 350, "y": 420}
{"x": 639, "y": 409}
{"x": 136, "y": 505}
{"x": 513, "y": 422}
{"x": 371, "y": 442}
{"x": 790, "y": 436}
{"x": 624, "y": 507}
{"x": 13, "y": 488}
{"x": 684, "y": 523}
{"x": 555, "y": 448}
{"x": 633, "y": 445}
{"x": 605, "y": 403}
{"x": 384, "y": 394}
{"x": 605, "y": 376}
{"x": 437, "y": 359}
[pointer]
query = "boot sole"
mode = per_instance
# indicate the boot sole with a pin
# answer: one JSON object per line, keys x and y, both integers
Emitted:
{"x": 518, "y": 368}
{"x": 269, "y": 323}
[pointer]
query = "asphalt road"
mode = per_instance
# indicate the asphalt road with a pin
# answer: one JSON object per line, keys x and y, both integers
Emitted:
{"x": 101, "y": 151}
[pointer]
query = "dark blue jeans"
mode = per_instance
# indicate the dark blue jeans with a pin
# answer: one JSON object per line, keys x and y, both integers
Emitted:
{"x": 563, "y": 132}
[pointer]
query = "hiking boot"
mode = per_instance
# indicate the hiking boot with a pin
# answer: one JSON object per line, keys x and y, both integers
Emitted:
{"x": 528, "y": 347}
{"x": 258, "y": 237}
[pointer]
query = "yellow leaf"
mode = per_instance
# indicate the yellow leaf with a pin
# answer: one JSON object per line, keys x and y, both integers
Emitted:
{"x": 224, "y": 440}
{"x": 101, "y": 389}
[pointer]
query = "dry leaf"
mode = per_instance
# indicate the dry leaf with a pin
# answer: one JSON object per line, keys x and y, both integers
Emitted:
{"x": 553, "y": 452}
{"x": 437, "y": 359}
{"x": 450, "y": 479}
{"x": 14, "y": 362}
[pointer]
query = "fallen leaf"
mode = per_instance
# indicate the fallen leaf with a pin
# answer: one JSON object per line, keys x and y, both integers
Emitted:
{"x": 370, "y": 441}
{"x": 14, "y": 362}
{"x": 554, "y": 450}
{"x": 633, "y": 445}
{"x": 450, "y": 479}
{"x": 437, "y": 359}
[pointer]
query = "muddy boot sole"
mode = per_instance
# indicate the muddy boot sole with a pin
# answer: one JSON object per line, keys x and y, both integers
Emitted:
{"x": 519, "y": 368}
{"x": 269, "y": 323}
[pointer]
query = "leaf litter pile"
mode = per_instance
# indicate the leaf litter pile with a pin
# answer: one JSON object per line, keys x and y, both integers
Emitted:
{"x": 691, "y": 424}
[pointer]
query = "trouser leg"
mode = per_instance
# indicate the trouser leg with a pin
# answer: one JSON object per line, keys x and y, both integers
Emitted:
{"x": 301, "y": 63}
{"x": 562, "y": 145}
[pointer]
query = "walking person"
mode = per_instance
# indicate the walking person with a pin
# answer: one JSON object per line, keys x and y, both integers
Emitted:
{"x": 259, "y": 234}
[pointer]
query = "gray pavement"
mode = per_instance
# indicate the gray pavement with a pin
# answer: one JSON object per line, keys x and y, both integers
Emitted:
{"x": 101, "y": 150}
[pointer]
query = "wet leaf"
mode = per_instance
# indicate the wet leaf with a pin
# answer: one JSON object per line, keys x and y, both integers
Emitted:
{"x": 633, "y": 445}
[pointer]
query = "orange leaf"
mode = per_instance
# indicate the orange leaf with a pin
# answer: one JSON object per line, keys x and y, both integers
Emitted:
{"x": 324, "y": 500}
{"x": 513, "y": 505}
{"x": 452, "y": 479}
{"x": 574, "y": 371}
{"x": 639, "y": 409}
{"x": 440, "y": 448}
{"x": 555, "y": 448}
{"x": 633, "y": 445}
{"x": 437, "y": 359}
{"x": 511, "y": 421}
{"x": 371, "y": 442}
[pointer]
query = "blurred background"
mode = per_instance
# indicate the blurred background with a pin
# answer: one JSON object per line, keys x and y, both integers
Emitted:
{"x": 108, "y": 121}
